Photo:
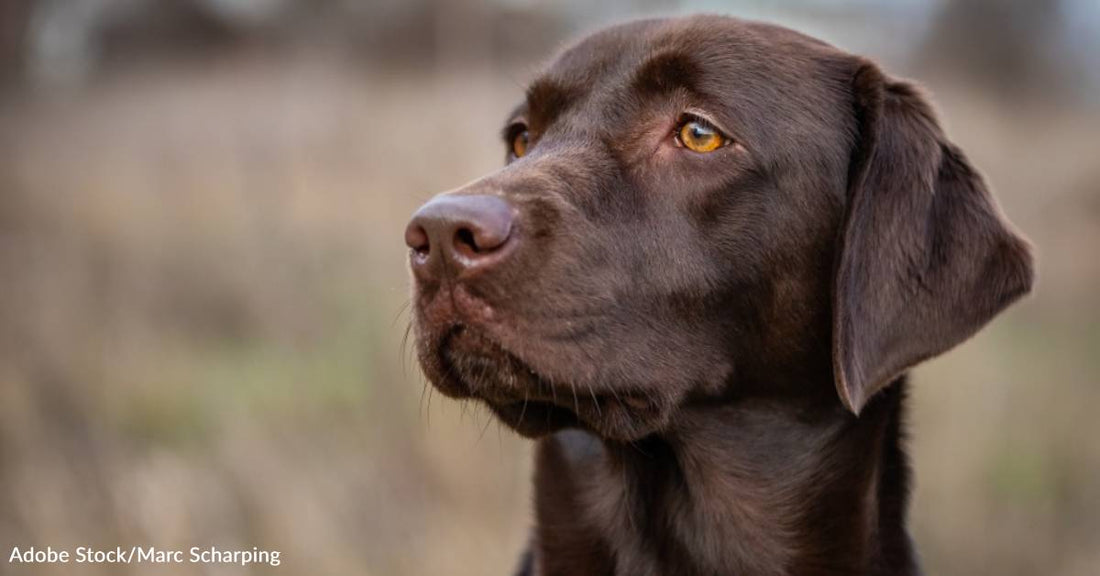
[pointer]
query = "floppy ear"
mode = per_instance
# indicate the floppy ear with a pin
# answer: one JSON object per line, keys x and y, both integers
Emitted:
{"x": 925, "y": 257}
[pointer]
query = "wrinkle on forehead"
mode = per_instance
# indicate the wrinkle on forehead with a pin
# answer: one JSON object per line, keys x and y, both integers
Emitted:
{"x": 666, "y": 72}
{"x": 548, "y": 99}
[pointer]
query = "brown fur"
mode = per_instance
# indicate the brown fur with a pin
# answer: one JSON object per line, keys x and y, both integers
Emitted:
{"x": 710, "y": 349}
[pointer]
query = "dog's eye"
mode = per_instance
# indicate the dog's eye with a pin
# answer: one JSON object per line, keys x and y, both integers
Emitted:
{"x": 698, "y": 136}
{"x": 519, "y": 144}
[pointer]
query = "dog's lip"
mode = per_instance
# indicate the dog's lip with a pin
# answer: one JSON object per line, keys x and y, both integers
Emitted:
{"x": 531, "y": 387}
{"x": 463, "y": 342}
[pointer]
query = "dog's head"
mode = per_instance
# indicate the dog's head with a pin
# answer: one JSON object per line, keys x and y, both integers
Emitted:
{"x": 699, "y": 208}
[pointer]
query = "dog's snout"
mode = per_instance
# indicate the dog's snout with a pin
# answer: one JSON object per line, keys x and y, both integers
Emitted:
{"x": 460, "y": 232}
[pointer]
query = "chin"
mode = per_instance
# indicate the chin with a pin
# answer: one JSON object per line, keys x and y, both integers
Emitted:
{"x": 467, "y": 363}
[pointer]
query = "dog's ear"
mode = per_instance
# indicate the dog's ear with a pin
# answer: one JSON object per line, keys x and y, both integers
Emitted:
{"x": 925, "y": 257}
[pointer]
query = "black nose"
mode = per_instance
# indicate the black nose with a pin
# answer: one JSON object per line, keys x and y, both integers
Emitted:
{"x": 460, "y": 232}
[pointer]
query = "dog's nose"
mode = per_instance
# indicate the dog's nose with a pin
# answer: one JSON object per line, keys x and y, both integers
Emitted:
{"x": 460, "y": 232}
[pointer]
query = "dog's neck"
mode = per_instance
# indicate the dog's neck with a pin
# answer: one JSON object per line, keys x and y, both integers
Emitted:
{"x": 758, "y": 488}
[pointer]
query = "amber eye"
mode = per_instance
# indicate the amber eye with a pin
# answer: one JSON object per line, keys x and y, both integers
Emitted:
{"x": 698, "y": 136}
{"x": 519, "y": 144}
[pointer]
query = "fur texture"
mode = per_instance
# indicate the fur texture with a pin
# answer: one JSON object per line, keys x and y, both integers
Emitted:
{"x": 709, "y": 348}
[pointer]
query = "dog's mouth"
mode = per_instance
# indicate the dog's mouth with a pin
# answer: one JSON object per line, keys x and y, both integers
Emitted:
{"x": 475, "y": 366}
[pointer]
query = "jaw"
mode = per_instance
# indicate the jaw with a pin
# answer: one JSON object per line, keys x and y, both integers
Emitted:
{"x": 606, "y": 417}
{"x": 535, "y": 418}
{"x": 463, "y": 362}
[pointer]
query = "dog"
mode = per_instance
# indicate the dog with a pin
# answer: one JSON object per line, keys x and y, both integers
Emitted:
{"x": 714, "y": 251}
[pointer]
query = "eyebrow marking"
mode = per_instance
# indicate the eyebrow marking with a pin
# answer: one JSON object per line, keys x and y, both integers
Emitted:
{"x": 666, "y": 72}
{"x": 548, "y": 99}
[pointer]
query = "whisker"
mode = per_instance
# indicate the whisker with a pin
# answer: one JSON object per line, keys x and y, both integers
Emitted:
{"x": 524, "y": 410}
{"x": 488, "y": 420}
{"x": 587, "y": 354}
{"x": 428, "y": 412}
{"x": 400, "y": 310}
{"x": 594, "y": 400}
{"x": 423, "y": 393}
{"x": 405, "y": 352}
{"x": 616, "y": 395}
{"x": 446, "y": 376}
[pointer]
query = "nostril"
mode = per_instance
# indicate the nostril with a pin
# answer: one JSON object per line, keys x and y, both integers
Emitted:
{"x": 481, "y": 238}
{"x": 465, "y": 239}
{"x": 416, "y": 237}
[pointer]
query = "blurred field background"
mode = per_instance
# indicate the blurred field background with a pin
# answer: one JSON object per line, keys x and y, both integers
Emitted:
{"x": 203, "y": 287}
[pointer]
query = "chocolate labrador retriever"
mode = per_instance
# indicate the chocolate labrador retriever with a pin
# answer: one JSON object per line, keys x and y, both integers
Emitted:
{"x": 713, "y": 253}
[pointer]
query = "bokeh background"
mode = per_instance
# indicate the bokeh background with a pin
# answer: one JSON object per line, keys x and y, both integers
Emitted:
{"x": 203, "y": 287}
